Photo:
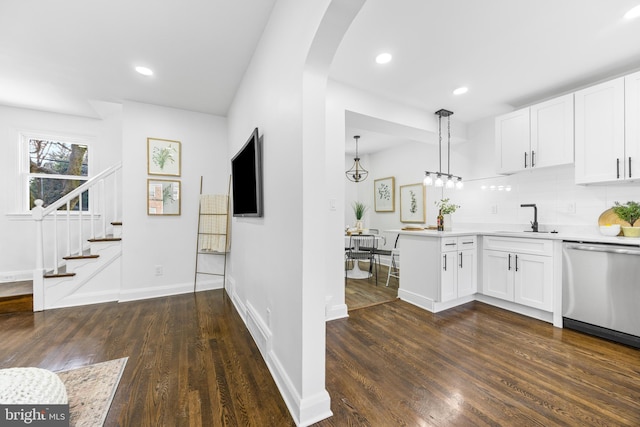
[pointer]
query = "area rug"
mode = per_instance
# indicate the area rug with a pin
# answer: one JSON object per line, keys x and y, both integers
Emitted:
{"x": 90, "y": 390}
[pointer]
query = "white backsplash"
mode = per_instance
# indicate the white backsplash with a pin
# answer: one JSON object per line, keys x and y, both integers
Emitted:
{"x": 562, "y": 205}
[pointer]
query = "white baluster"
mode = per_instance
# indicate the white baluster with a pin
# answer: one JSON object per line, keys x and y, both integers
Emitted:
{"x": 55, "y": 242}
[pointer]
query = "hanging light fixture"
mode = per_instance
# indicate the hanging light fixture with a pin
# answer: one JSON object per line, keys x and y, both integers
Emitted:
{"x": 446, "y": 180}
{"x": 357, "y": 173}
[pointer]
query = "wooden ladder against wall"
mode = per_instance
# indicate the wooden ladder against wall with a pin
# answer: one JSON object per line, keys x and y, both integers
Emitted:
{"x": 213, "y": 241}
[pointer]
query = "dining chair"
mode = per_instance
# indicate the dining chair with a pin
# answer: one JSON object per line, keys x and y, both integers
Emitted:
{"x": 361, "y": 248}
{"x": 394, "y": 265}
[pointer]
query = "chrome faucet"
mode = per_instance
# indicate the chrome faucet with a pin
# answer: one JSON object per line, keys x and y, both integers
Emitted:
{"x": 534, "y": 223}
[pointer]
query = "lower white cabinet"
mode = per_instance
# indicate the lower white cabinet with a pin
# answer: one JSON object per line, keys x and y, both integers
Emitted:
{"x": 459, "y": 267}
{"x": 519, "y": 270}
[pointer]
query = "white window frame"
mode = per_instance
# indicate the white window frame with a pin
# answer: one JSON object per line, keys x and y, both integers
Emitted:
{"x": 25, "y": 173}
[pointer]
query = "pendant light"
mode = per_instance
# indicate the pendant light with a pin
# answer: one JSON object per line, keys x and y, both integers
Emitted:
{"x": 442, "y": 179}
{"x": 357, "y": 173}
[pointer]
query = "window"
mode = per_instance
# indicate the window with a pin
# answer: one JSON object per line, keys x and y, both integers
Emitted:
{"x": 55, "y": 168}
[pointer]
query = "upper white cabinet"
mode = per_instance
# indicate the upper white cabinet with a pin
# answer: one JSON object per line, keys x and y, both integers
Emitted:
{"x": 632, "y": 126}
{"x": 600, "y": 141}
{"x": 552, "y": 132}
{"x": 536, "y": 136}
{"x": 512, "y": 140}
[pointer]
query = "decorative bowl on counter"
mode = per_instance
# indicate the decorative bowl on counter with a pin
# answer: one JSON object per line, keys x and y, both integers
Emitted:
{"x": 631, "y": 231}
{"x": 610, "y": 230}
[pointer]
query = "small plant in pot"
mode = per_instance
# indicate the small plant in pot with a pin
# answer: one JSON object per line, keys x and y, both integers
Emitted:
{"x": 359, "y": 210}
{"x": 446, "y": 208}
{"x": 629, "y": 212}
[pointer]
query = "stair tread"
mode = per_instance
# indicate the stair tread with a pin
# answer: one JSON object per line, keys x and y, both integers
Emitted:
{"x": 83, "y": 256}
{"x": 106, "y": 239}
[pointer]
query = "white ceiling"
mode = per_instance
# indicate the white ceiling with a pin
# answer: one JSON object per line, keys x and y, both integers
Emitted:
{"x": 59, "y": 55}
{"x": 56, "y": 55}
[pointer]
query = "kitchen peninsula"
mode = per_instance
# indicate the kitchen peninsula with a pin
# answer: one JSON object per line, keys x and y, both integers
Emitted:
{"x": 517, "y": 271}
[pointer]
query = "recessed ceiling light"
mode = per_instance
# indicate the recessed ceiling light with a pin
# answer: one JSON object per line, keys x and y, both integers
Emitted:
{"x": 633, "y": 13}
{"x": 144, "y": 71}
{"x": 461, "y": 90}
{"x": 383, "y": 58}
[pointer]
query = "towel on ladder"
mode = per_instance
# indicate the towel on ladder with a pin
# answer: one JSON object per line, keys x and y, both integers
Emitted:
{"x": 213, "y": 222}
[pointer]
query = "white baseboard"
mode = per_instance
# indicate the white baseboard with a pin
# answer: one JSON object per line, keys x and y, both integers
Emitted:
{"x": 155, "y": 291}
{"x": 339, "y": 311}
{"x": 15, "y": 276}
{"x": 417, "y": 300}
{"x": 545, "y": 316}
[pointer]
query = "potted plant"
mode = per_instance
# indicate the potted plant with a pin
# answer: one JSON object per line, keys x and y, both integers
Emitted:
{"x": 446, "y": 208}
{"x": 629, "y": 212}
{"x": 359, "y": 210}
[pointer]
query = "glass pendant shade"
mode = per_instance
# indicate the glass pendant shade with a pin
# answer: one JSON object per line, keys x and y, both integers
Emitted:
{"x": 452, "y": 181}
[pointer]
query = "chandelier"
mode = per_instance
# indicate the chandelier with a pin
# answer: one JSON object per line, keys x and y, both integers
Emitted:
{"x": 440, "y": 177}
{"x": 357, "y": 173}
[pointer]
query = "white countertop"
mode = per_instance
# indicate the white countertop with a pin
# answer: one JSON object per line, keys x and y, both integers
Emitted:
{"x": 572, "y": 236}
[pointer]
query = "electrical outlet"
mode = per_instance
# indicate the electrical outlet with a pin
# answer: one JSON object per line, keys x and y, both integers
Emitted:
{"x": 493, "y": 209}
{"x": 159, "y": 271}
{"x": 269, "y": 318}
{"x": 571, "y": 207}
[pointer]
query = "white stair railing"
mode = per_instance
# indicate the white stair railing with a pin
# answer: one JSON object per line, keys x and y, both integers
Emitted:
{"x": 101, "y": 196}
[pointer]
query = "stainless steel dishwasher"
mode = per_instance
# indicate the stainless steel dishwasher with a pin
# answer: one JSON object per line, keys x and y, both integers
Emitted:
{"x": 601, "y": 290}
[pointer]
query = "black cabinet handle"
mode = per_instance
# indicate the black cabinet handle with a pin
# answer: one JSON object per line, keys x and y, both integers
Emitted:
{"x": 445, "y": 262}
{"x": 533, "y": 158}
{"x": 509, "y": 267}
{"x": 460, "y": 259}
{"x": 629, "y": 166}
{"x": 516, "y": 262}
{"x": 618, "y": 168}
{"x": 525, "y": 159}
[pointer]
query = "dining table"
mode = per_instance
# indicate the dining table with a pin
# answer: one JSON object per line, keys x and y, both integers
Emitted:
{"x": 355, "y": 272}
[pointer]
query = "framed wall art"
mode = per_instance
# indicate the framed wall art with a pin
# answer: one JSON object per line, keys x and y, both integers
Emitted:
{"x": 412, "y": 203}
{"x": 384, "y": 196}
{"x": 163, "y": 157}
{"x": 163, "y": 197}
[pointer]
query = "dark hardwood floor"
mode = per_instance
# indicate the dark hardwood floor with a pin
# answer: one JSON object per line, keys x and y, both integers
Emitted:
{"x": 192, "y": 362}
{"x": 361, "y": 293}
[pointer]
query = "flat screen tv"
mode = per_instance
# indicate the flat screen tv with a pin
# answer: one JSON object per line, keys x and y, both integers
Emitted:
{"x": 246, "y": 175}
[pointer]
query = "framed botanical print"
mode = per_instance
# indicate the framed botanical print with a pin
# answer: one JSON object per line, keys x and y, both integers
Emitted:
{"x": 384, "y": 196}
{"x": 163, "y": 197}
{"x": 163, "y": 157}
{"x": 412, "y": 203}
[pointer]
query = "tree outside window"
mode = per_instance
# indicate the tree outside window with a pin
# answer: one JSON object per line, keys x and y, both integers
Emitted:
{"x": 55, "y": 169}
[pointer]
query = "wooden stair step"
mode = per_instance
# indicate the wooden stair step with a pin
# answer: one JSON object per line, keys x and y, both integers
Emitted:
{"x": 62, "y": 272}
{"x": 106, "y": 239}
{"x": 83, "y": 256}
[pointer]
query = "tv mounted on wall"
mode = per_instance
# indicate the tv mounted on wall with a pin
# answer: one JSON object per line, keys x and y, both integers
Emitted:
{"x": 246, "y": 175}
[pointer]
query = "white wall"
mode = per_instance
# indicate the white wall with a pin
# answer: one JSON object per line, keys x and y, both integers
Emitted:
{"x": 105, "y": 149}
{"x": 167, "y": 241}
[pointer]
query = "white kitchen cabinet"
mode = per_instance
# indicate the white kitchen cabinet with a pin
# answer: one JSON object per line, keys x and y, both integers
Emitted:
{"x": 459, "y": 268}
{"x": 439, "y": 270}
{"x": 599, "y": 132}
{"x": 552, "y": 139}
{"x": 519, "y": 270}
{"x": 537, "y": 136}
{"x": 512, "y": 141}
{"x": 632, "y": 126}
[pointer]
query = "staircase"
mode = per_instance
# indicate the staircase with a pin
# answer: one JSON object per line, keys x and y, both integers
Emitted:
{"x": 89, "y": 270}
